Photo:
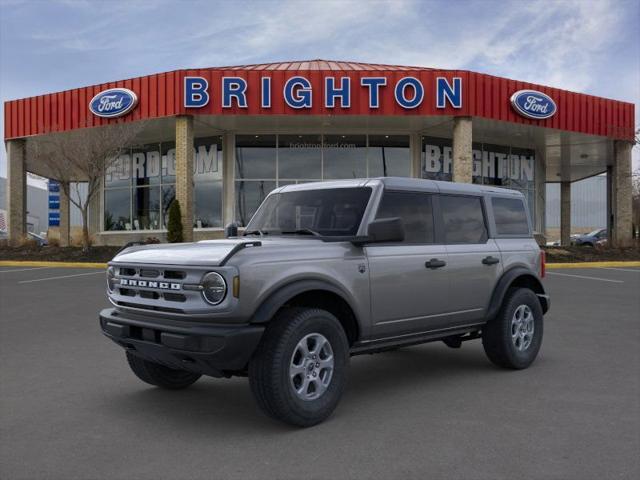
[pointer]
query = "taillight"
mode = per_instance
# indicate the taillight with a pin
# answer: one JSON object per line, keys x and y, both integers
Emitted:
{"x": 543, "y": 263}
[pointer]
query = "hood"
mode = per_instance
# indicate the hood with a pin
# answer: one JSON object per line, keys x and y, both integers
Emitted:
{"x": 202, "y": 253}
{"x": 205, "y": 253}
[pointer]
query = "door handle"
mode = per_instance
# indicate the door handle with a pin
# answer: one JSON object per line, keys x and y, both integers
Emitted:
{"x": 490, "y": 260}
{"x": 435, "y": 263}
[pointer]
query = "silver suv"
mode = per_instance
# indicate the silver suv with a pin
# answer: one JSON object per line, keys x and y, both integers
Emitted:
{"x": 324, "y": 271}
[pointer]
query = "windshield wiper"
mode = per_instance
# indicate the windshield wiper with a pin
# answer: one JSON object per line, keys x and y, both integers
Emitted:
{"x": 302, "y": 231}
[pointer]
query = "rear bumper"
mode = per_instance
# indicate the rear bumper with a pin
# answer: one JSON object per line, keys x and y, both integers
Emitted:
{"x": 215, "y": 350}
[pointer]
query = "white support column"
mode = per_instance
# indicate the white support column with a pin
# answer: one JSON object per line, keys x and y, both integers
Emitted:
{"x": 462, "y": 149}
{"x": 565, "y": 213}
{"x": 16, "y": 191}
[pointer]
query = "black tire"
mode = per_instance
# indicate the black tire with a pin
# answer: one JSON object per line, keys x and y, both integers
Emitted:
{"x": 269, "y": 374}
{"x": 497, "y": 333}
{"x": 159, "y": 375}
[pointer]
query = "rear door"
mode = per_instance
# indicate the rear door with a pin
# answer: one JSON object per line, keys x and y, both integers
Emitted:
{"x": 474, "y": 259}
{"x": 409, "y": 282}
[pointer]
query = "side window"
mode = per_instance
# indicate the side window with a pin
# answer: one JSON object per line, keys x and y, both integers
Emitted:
{"x": 463, "y": 219}
{"x": 510, "y": 216}
{"x": 415, "y": 211}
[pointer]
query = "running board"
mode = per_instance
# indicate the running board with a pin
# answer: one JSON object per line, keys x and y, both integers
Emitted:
{"x": 382, "y": 344}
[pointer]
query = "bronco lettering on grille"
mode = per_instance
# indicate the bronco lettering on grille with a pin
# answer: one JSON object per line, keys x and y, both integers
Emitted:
{"x": 129, "y": 282}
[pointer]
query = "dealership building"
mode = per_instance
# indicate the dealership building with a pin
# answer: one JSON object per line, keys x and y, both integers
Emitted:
{"x": 220, "y": 139}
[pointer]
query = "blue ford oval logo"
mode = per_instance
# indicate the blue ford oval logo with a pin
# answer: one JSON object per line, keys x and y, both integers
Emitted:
{"x": 533, "y": 104}
{"x": 114, "y": 102}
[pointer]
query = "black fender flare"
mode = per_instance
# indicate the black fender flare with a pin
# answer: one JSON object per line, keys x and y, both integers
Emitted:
{"x": 279, "y": 297}
{"x": 506, "y": 280}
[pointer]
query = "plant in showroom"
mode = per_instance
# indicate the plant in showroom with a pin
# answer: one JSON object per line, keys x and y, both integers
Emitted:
{"x": 174, "y": 227}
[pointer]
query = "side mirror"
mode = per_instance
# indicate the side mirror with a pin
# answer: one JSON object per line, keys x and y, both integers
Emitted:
{"x": 231, "y": 230}
{"x": 385, "y": 230}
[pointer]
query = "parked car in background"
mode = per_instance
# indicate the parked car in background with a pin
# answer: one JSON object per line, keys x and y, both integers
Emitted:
{"x": 39, "y": 239}
{"x": 589, "y": 239}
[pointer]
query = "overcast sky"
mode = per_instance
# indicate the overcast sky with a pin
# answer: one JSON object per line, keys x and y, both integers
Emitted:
{"x": 581, "y": 45}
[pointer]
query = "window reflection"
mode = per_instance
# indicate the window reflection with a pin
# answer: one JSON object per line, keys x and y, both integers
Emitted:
{"x": 299, "y": 156}
{"x": 344, "y": 156}
{"x": 389, "y": 156}
{"x": 117, "y": 213}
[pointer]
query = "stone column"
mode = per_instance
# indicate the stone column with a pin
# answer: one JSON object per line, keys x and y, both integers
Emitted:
{"x": 565, "y": 213}
{"x": 65, "y": 216}
{"x": 462, "y": 150}
{"x": 184, "y": 173}
{"x": 621, "y": 185}
{"x": 228, "y": 178}
{"x": 16, "y": 191}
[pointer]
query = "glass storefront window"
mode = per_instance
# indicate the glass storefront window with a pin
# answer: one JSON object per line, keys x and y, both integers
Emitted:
{"x": 145, "y": 165}
{"x": 299, "y": 156}
{"x": 498, "y": 165}
{"x": 278, "y": 160}
{"x": 389, "y": 156}
{"x": 118, "y": 174}
{"x": 168, "y": 162}
{"x": 117, "y": 209}
{"x": 344, "y": 156}
{"x": 249, "y": 196}
{"x": 436, "y": 158}
{"x": 146, "y": 208}
{"x": 208, "y": 205}
{"x": 256, "y": 156}
{"x": 144, "y": 205}
{"x": 168, "y": 195}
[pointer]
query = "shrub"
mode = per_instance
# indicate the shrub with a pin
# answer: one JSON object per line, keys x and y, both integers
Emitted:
{"x": 151, "y": 241}
{"x": 174, "y": 227}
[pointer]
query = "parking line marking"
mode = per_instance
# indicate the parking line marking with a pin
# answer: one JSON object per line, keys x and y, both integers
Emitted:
{"x": 585, "y": 277}
{"x": 621, "y": 269}
{"x": 63, "y": 276}
{"x": 23, "y": 269}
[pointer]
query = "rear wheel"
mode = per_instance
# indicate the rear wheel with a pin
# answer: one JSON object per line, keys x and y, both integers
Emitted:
{"x": 299, "y": 370}
{"x": 513, "y": 338}
{"x": 159, "y": 375}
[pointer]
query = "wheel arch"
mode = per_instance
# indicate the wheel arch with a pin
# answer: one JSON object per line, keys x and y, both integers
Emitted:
{"x": 313, "y": 294}
{"x": 516, "y": 277}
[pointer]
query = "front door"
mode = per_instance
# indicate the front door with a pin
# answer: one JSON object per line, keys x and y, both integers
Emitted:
{"x": 409, "y": 279}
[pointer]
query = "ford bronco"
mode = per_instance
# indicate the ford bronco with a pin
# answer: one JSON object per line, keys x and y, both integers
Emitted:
{"x": 325, "y": 271}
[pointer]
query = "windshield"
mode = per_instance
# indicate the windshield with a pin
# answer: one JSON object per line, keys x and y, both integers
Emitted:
{"x": 323, "y": 212}
{"x": 594, "y": 233}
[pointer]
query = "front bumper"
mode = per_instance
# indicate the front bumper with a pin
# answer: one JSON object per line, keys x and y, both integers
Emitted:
{"x": 208, "y": 349}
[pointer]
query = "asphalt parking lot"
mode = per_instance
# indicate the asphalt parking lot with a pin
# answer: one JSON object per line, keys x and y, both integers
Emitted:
{"x": 71, "y": 409}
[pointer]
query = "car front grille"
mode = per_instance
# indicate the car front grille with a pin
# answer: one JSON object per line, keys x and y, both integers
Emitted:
{"x": 151, "y": 288}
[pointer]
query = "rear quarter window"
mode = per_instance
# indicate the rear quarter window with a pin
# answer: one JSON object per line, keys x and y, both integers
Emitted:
{"x": 510, "y": 215}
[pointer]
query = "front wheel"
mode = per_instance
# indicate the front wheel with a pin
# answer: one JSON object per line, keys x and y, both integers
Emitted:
{"x": 159, "y": 375}
{"x": 513, "y": 338}
{"x": 299, "y": 371}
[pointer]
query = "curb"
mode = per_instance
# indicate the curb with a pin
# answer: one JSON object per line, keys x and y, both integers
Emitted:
{"x": 28, "y": 263}
{"x": 593, "y": 264}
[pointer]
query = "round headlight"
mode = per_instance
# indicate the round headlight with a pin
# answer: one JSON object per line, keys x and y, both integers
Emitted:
{"x": 214, "y": 288}
{"x": 111, "y": 275}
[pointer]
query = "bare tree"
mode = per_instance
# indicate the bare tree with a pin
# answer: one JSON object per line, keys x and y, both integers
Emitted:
{"x": 82, "y": 156}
